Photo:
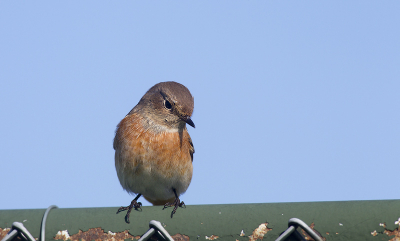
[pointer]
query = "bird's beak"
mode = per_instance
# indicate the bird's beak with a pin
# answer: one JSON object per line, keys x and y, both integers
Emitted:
{"x": 189, "y": 121}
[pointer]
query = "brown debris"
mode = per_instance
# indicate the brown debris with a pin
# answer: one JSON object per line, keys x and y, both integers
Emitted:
{"x": 259, "y": 232}
{"x": 212, "y": 237}
{"x": 62, "y": 235}
{"x": 4, "y": 232}
{"x": 308, "y": 237}
{"x": 95, "y": 234}
{"x": 98, "y": 234}
{"x": 395, "y": 232}
{"x": 180, "y": 237}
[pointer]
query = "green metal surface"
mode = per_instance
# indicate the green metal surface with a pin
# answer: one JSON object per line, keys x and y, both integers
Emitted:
{"x": 350, "y": 220}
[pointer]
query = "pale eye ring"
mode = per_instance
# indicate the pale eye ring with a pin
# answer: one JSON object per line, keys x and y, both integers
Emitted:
{"x": 167, "y": 104}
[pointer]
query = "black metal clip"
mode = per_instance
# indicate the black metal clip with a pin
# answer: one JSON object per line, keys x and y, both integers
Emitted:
{"x": 293, "y": 224}
{"x": 156, "y": 228}
{"x": 19, "y": 229}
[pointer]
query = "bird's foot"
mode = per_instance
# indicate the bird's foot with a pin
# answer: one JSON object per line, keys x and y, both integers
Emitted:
{"x": 134, "y": 204}
{"x": 177, "y": 203}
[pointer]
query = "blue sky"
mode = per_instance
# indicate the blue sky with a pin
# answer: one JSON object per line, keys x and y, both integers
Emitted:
{"x": 294, "y": 100}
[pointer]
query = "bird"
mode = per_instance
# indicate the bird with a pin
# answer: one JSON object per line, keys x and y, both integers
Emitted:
{"x": 153, "y": 149}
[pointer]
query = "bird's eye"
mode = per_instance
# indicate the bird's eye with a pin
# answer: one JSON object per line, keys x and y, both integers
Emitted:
{"x": 167, "y": 104}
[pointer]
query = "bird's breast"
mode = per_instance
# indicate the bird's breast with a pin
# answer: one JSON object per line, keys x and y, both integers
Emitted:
{"x": 141, "y": 153}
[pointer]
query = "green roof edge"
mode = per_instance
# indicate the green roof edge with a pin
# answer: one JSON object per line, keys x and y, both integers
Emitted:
{"x": 341, "y": 220}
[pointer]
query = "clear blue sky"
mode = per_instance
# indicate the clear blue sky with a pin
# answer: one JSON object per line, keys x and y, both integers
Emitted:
{"x": 294, "y": 100}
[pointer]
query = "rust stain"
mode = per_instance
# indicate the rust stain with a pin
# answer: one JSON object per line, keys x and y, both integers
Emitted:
{"x": 180, "y": 237}
{"x": 212, "y": 237}
{"x": 94, "y": 234}
{"x": 308, "y": 237}
{"x": 176, "y": 237}
{"x": 62, "y": 235}
{"x": 4, "y": 232}
{"x": 259, "y": 232}
{"x": 388, "y": 232}
{"x": 395, "y": 232}
{"x": 98, "y": 234}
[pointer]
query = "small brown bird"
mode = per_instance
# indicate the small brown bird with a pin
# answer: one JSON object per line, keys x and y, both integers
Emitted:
{"x": 153, "y": 149}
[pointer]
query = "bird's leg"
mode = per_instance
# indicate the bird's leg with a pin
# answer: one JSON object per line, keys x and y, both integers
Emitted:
{"x": 134, "y": 204}
{"x": 177, "y": 203}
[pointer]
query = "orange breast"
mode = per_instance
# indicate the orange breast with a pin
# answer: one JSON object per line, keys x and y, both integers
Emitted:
{"x": 142, "y": 151}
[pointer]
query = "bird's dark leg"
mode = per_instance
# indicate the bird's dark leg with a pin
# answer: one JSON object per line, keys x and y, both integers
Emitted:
{"x": 134, "y": 204}
{"x": 177, "y": 203}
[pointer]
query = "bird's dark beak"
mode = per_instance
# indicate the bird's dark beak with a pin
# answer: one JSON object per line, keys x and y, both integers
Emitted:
{"x": 189, "y": 121}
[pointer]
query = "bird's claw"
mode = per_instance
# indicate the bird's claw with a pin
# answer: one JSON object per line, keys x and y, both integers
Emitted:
{"x": 177, "y": 203}
{"x": 135, "y": 205}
